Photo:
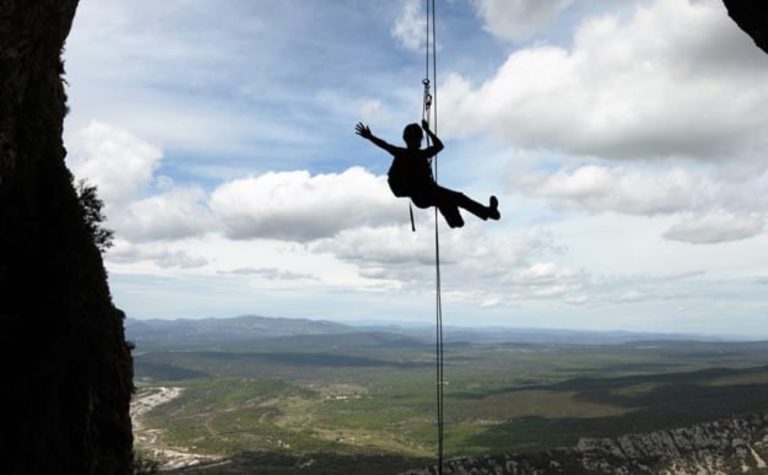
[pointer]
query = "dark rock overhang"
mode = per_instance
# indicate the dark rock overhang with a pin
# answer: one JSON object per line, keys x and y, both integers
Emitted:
{"x": 752, "y": 17}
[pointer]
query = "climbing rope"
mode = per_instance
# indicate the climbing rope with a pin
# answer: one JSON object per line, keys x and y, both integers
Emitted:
{"x": 429, "y": 111}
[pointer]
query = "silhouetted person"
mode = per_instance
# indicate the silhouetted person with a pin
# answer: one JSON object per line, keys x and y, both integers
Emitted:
{"x": 411, "y": 176}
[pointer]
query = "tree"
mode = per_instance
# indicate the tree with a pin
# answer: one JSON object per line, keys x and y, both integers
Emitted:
{"x": 92, "y": 208}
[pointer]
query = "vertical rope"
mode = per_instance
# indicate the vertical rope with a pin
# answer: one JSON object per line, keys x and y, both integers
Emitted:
{"x": 429, "y": 101}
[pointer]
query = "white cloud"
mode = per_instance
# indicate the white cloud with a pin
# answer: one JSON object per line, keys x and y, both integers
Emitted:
{"x": 716, "y": 227}
{"x": 409, "y": 27}
{"x": 641, "y": 87}
{"x": 518, "y": 20}
{"x": 159, "y": 255}
{"x": 388, "y": 245}
{"x": 269, "y": 273}
{"x": 500, "y": 269}
{"x": 709, "y": 205}
{"x": 113, "y": 159}
{"x": 276, "y": 205}
{"x": 123, "y": 168}
{"x": 302, "y": 207}
{"x": 547, "y": 280}
{"x": 621, "y": 189}
{"x": 644, "y": 295}
{"x": 490, "y": 303}
{"x": 179, "y": 259}
{"x": 178, "y": 213}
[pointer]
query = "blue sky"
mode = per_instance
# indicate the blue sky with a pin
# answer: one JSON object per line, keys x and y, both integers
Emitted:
{"x": 624, "y": 140}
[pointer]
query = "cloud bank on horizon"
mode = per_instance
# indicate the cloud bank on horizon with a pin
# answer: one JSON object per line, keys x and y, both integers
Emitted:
{"x": 624, "y": 140}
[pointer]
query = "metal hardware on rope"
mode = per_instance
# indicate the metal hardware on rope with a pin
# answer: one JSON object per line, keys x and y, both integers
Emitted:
{"x": 425, "y": 112}
{"x": 427, "y": 99}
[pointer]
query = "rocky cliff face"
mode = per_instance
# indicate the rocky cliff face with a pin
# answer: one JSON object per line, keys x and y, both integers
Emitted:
{"x": 738, "y": 445}
{"x": 66, "y": 369}
{"x": 752, "y": 17}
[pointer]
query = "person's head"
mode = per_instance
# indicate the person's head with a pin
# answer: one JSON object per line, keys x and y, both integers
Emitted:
{"x": 413, "y": 135}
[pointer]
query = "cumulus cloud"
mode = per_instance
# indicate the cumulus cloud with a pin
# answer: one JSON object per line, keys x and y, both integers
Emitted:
{"x": 302, "y": 207}
{"x": 409, "y": 26}
{"x": 545, "y": 280}
{"x": 161, "y": 256}
{"x": 116, "y": 161}
{"x": 295, "y": 205}
{"x": 716, "y": 227}
{"x": 490, "y": 270}
{"x": 269, "y": 273}
{"x": 518, "y": 20}
{"x": 643, "y": 86}
{"x": 179, "y": 259}
{"x": 381, "y": 245}
{"x": 123, "y": 167}
{"x": 621, "y": 189}
{"x": 710, "y": 205}
{"x": 635, "y": 86}
{"x": 178, "y": 213}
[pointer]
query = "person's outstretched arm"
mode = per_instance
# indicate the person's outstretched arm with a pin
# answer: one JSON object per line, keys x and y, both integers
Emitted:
{"x": 437, "y": 144}
{"x": 365, "y": 132}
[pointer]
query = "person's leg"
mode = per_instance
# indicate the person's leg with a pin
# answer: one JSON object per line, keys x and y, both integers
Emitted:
{"x": 451, "y": 214}
{"x": 463, "y": 201}
{"x": 431, "y": 196}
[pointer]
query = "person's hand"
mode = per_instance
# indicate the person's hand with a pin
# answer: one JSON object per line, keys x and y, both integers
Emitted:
{"x": 424, "y": 124}
{"x": 363, "y": 131}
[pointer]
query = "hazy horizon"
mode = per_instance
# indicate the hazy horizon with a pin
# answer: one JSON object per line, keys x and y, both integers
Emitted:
{"x": 429, "y": 325}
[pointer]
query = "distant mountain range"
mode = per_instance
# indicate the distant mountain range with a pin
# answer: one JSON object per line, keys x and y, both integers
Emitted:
{"x": 244, "y": 328}
{"x": 304, "y": 331}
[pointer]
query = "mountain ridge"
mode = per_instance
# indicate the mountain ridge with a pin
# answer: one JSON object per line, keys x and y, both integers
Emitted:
{"x": 735, "y": 445}
{"x": 259, "y": 328}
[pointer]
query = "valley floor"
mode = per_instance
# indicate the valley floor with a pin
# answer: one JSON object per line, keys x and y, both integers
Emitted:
{"x": 318, "y": 410}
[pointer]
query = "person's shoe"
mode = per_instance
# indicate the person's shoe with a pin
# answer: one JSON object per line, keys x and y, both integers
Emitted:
{"x": 456, "y": 221}
{"x": 493, "y": 209}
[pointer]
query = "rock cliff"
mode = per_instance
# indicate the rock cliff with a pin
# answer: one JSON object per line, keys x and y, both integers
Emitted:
{"x": 752, "y": 17}
{"x": 66, "y": 368}
{"x": 738, "y": 445}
